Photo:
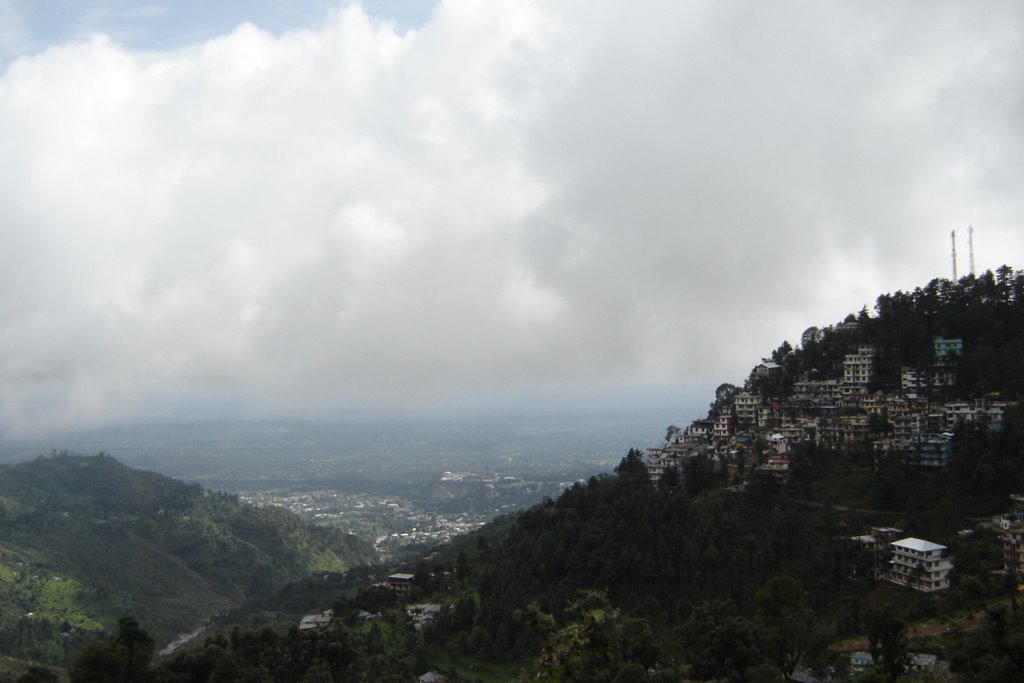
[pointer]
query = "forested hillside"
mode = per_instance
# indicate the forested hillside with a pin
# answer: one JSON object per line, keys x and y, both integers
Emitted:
{"x": 985, "y": 312}
{"x": 85, "y": 540}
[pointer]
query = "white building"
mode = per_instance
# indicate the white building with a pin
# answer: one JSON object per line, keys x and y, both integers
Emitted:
{"x": 919, "y": 564}
{"x": 746, "y": 404}
{"x": 858, "y": 368}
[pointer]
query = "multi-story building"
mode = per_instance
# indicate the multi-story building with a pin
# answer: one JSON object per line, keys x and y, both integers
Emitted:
{"x": 978, "y": 411}
{"x": 943, "y": 374}
{"x": 1012, "y": 525}
{"x": 1013, "y": 549}
{"x": 878, "y": 545}
{"x": 821, "y": 390}
{"x": 853, "y": 428}
{"x": 725, "y": 426}
{"x": 923, "y": 449}
{"x": 910, "y": 382}
{"x": 746, "y": 404}
{"x": 919, "y": 564}
{"x": 948, "y": 347}
{"x": 858, "y": 368}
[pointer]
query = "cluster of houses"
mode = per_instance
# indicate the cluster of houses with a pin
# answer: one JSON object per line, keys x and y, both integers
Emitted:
{"x": 759, "y": 429}
{"x": 753, "y": 427}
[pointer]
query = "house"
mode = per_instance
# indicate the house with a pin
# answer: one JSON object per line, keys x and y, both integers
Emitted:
{"x": 860, "y": 661}
{"x": 919, "y": 564}
{"x": 315, "y": 621}
{"x": 421, "y": 615}
{"x": 401, "y": 583}
{"x": 432, "y": 677}
{"x": 778, "y": 444}
{"x": 766, "y": 370}
{"x": 922, "y": 662}
{"x": 777, "y": 466}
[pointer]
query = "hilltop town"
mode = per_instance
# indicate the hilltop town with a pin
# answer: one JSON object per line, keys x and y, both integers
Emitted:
{"x": 756, "y": 426}
{"x": 846, "y": 388}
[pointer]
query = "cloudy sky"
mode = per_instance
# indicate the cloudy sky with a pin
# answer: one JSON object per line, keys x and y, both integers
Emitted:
{"x": 321, "y": 207}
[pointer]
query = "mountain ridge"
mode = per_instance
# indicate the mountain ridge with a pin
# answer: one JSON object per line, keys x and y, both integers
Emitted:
{"x": 87, "y": 539}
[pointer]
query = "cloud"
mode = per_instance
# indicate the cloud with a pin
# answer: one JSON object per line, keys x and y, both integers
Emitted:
{"x": 514, "y": 197}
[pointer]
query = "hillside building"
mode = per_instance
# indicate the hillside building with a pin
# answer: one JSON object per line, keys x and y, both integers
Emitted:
{"x": 878, "y": 544}
{"x": 746, "y": 404}
{"x": 858, "y": 368}
{"x": 401, "y": 584}
{"x": 948, "y": 347}
{"x": 919, "y": 564}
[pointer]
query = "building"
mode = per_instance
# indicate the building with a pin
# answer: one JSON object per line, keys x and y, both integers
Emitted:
{"x": 725, "y": 427}
{"x": 978, "y": 411}
{"x": 401, "y": 583}
{"x": 314, "y": 621}
{"x": 948, "y": 347}
{"x": 422, "y": 615}
{"x": 910, "y": 382}
{"x": 919, "y": 564}
{"x": 1013, "y": 538}
{"x": 766, "y": 370}
{"x": 746, "y": 404}
{"x": 1013, "y": 550}
{"x": 927, "y": 450}
{"x": 878, "y": 544}
{"x": 858, "y": 368}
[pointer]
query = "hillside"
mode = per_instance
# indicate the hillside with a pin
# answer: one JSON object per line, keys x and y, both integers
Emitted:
{"x": 85, "y": 540}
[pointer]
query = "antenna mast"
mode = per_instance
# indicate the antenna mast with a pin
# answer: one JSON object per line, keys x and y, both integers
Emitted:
{"x": 952, "y": 237}
{"x": 970, "y": 246}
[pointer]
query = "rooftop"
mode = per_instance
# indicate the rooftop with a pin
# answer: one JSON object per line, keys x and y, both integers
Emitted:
{"x": 918, "y": 544}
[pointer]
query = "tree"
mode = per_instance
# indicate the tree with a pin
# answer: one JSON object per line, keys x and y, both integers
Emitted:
{"x": 632, "y": 463}
{"x": 887, "y": 640}
{"x": 719, "y": 643}
{"x": 38, "y": 674}
{"x": 124, "y": 659}
{"x": 593, "y": 647}
{"x": 671, "y": 433}
{"x": 787, "y": 624}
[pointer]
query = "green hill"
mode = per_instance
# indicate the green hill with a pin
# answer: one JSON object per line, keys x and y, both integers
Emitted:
{"x": 86, "y": 540}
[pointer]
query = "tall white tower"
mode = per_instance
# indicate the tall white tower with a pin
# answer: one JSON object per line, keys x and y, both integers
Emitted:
{"x": 952, "y": 237}
{"x": 970, "y": 246}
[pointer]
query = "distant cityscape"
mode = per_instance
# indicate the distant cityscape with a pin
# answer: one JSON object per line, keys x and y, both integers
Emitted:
{"x": 398, "y": 526}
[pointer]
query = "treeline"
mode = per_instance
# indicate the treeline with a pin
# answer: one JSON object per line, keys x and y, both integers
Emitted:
{"x": 985, "y": 311}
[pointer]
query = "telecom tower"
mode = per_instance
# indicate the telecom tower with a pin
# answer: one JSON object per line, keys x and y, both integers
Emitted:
{"x": 970, "y": 246}
{"x": 952, "y": 237}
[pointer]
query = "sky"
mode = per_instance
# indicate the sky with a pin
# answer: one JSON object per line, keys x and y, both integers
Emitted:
{"x": 336, "y": 209}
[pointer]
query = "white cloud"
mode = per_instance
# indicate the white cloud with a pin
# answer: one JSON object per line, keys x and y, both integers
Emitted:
{"x": 516, "y": 195}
